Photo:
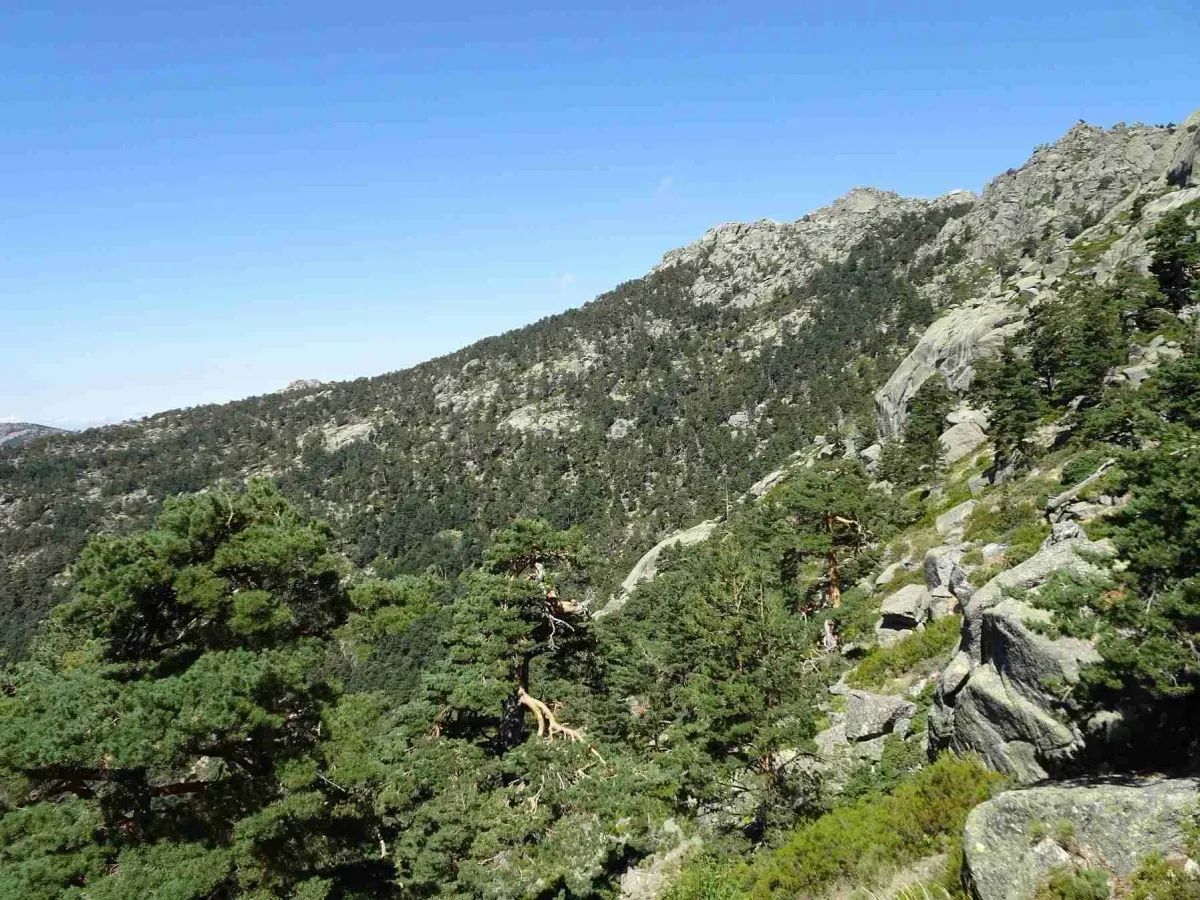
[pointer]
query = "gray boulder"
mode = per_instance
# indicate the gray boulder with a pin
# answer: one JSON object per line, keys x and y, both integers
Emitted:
{"x": 993, "y": 553}
{"x": 886, "y": 637}
{"x": 944, "y": 576}
{"x": 966, "y": 415}
{"x": 1184, "y": 170}
{"x": 1032, "y": 663}
{"x": 1069, "y": 530}
{"x": 1068, "y": 556}
{"x": 891, "y": 572}
{"x": 1000, "y": 695}
{"x": 1110, "y": 826}
{"x": 960, "y": 441}
{"x": 651, "y": 877}
{"x": 1013, "y": 734}
{"x": 954, "y": 520}
{"x": 647, "y": 567}
{"x": 873, "y": 715}
{"x": 907, "y": 608}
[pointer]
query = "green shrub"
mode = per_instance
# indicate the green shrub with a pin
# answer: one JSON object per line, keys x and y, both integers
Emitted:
{"x": 900, "y": 759}
{"x": 859, "y": 843}
{"x": 1075, "y": 884}
{"x": 990, "y": 523}
{"x": 882, "y": 664}
{"x": 981, "y": 576}
{"x": 1158, "y": 879}
{"x": 1024, "y": 541}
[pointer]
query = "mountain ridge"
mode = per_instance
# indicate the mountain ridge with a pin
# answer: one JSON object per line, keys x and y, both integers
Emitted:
{"x": 637, "y": 413}
{"x": 15, "y": 433}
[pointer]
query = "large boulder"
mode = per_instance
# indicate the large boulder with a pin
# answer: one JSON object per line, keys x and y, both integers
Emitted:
{"x": 651, "y": 876}
{"x": 1013, "y": 734}
{"x": 954, "y": 520}
{"x": 960, "y": 441}
{"x": 1071, "y": 556}
{"x": 647, "y": 567}
{"x": 873, "y": 715}
{"x": 1184, "y": 169}
{"x": 1012, "y": 841}
{"x": 944, "y": 575}
{"x": 907, "y": 608}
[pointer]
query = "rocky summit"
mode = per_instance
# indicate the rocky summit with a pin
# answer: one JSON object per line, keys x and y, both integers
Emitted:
{"x": 857, "y": 552}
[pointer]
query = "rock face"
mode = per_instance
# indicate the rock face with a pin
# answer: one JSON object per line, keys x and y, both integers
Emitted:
{"x": 1012, "y": 841}
{"x": 758, "y": 259}
{"x": 949, "y": 346}
{"x": 944, "y": 576}
{"x": 650, "y": 878}
{"x": 647, "y": 567}
{"x": 1184, "y": 171}
{"x": 998, "y": 695}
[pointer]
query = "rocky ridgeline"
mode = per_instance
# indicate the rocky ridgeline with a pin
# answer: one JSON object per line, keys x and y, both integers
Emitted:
{"x": 743, "y": 264}
{"x": 1026, "y": 230}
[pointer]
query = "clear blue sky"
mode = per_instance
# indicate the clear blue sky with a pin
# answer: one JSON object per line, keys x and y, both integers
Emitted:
{"x": 203, "y": 201}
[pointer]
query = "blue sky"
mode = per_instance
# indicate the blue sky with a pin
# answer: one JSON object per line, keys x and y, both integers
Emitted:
{"x": 206, "y": 201}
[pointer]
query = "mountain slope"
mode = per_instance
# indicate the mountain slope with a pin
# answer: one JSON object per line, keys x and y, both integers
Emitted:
{"x": 14, "y": 433}
{"x": 648, "y": 408}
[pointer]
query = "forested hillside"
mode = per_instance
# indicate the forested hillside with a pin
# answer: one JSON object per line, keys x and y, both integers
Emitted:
{"x": 655, "y": 405}
{"x": 641, "y": 410}
{"x": 342, "y": 642}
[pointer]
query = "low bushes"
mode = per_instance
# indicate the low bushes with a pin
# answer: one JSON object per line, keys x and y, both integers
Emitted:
{"x": 882, "y": 664}
{"x": 855, "y": 844}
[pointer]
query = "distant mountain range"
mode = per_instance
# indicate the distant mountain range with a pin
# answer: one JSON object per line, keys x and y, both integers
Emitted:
{"x": 14, "y": 433}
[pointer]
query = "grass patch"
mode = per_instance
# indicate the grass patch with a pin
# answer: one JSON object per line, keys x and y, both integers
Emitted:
{"x": 882, "y": 664}
{"x": 981, "y": 576}
{"x": 1160, "y": 879}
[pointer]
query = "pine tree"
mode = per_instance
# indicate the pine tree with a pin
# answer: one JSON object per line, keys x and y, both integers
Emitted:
{"x": 1009, "y": 386}
{"x": 1175, "y": 245}
{"x": 510, "y": 624}
{"x": 923, "y": 427}
{"x": 171, "y": 734}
